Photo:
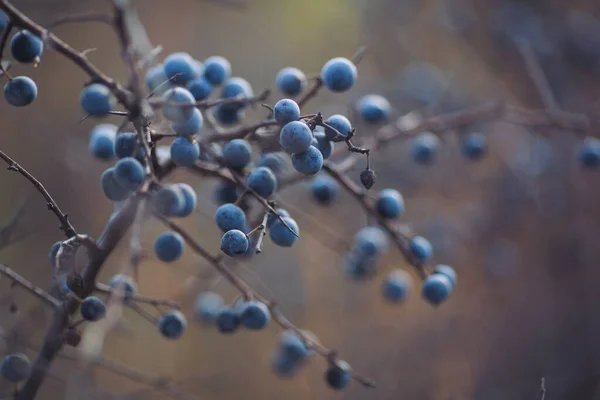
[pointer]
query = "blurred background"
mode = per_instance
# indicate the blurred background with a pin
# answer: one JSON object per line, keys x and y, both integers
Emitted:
{"x": 520, "y": 226}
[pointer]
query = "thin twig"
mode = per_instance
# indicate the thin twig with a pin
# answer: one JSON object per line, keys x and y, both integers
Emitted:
{"x": 87, "y": 17}
{"x": 37, "y": 291}
{"x": 262, "y": 229}
{"x": 160, "y": 102}
{"x": 537, "y": 76}
{"x": 65, "y": 225}
{"x": 141, "y": 299}
{"x": 248, "y": 293}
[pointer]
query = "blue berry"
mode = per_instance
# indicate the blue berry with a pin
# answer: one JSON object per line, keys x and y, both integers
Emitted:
{"x": 156, "y": 79}
{"x": 339, "y": 123}
{"x": 374, "y": 108}
{"x": 338, "y": 74}
{"x": 308, "y": 163}
{"x": 125, "y": 285}
{"x": 589, "y": 152}
{"x": 424, "y": 147}
{"x": 97, "y": 100}
{"x": 92, "y": 309}
{"x": 168, "y": 246}
{"x": 236, "y": 87}
{"x": 420, "y": 248}
{"x": 234, "y": 243}
{"x": 324, "y": 145}
{"x": 216, "y": 70}
{"x": 290, "y": 81}
{"x": 200, "y": 88}
{"x": 281, "y": 235}
{"x": 474, "y": 146}
{"x": 178, "y": 105}
{"x": 227, "y": 320}
{"x": 274, "y": 161}
{"x": 371, "y": 241}
{"x": 207, "y": 306}
{"x": 359, "y": 265}
{"x": 125, "y": 144}
{"x": 20, "y": 91}
{"x": 111, "y": 188}
{"x": 237, "y": 153}
{"x": 293, "y": 347}
{"x": 172, "y": 324}
{"x": 228, "y": 114}
{"x": 295, "y": 137}
{"x": 338, "y": 375}
{"x": 102, "y": 141}
{"x": 263, "y": 181}
{"x": 390, "y": 203}
{"x": 129, "y": 173}
{"x": 447, "y": 271}
{"x": 273, "y": 218}
{"x": 285, "y": 111}
{"x": 53, "y": 252}
{"x": 179, "y": 68}
{"x": 324, "y": 189}
{"x": 254, "y": 315}
{"x": 226, "y": 192}
{"x": 190, "y": 199}
{"x": 436, "y": 288}
{"x": 169, "y": 200}
{"x": 191, "y": 126}
{"x": 229, "y": 216}
{"x": 397, "y": 285}
{"x": 184, "y": 152}
{"x": 15, "y": 367}
{"x": 25, "y": 46}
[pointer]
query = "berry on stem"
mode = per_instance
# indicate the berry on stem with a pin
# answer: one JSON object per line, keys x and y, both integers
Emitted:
{"x": 20, "y": 91}
{"x": 129, "y": 173}
{"x": 234, "y": 243}
{"x": 263, "y": 181}
{"x": 374, "y": 108}
{"x": 172, "y": 324}
{"x": 191, "y": 126}
{"x": 436, "y": 288}
{"x": 281, "y": 235}
{"x": 207, "y": 306}
{"x": 179, "y": 68}
{"x": 290, "y": 81}
{"x": 168, "y": 246}
{"x": 184, "y": 152}
{"x": 177, "y": 106}
{"x": 102, "y": 141}
{"x": 420, "y": 248}
{"x": 229, "y": 216}
{"x": 127, "y": 286}
{"x": 397, "y": 285}
{"x": 338, "y": 375}
{"x": 92, "y": 309}
{"x": 285, "y": 111}
{"x": 295, "y": 137}
{"x": 227, "y": 320}
{"x": 15, "y": 367}
{"x": 309, "y": 162}
{"x": 390, "y": 203}
{"x": 324, "y": 189}
{"x": 237, "y": 153}
{"x": 216, "y": 70}
{"x": 25, "y": 47}
{"x": 339, "y": 123}
{"x": 97, "y": 100}
{"x": 254, "y": 315}
{"x": 125, "y": 144}
{"x": 339, "y": 74}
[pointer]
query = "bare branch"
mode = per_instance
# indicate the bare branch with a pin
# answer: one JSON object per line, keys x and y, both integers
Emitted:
{"x": 18, "y": 279}
{"x": 81, "y": 18}
{"x": 141, "y": 299}
{"x": 65, "y": 225}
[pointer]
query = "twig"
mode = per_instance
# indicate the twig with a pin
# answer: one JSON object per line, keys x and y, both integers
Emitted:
{"x": 88, "y": 17}
{"x": 157, "y": 103}
{"x": 21, "y": 20}
{"x": 37, "y": 291}
{"x": 65, "y": 225}
{"x": 236, "y": 133}
{"x": 262, "y": 228}
{"x": 248, "y": 293}
{"x": 542, "y": 392}
{"x": 141, "y": 299}
{"x": 537, "y": 76}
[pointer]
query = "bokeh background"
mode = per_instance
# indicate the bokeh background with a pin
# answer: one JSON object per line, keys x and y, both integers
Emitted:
{"x": 520, "y": 226}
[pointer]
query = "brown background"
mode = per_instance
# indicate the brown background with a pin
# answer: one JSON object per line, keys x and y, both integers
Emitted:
{"x": 520, "y": 226}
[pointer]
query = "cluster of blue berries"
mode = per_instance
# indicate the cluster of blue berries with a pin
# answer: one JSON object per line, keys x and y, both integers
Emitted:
{"x": 25, "y": 48}
{"x": 248, "y": 313}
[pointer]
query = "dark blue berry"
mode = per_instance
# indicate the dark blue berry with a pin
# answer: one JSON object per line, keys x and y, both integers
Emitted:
{"x": 234, "y": 243}
{"x": 263, "y": 181}
{"x": 25, "y": 46}
{"x": 216, "y": 69}
{"x": 341, "y": 124}
{"x": 295, "y": 137}
{"x": 168, "y": 246}
{"x": 285, "y": 111}
{"x": 97, "y": 100}
{"x": 390, "y": 203}
{"x": 324, "y": 189}
{"x": 200, "y": 88}
{"x": 15, "y": 367}
{"x": 338, "y": 375}
{"x": 20, "y": 91}
{"x": 92, "y": 309}
{"x": 129, "y": 173}
{"x": 281, "y": 235}
{"x": 172, "y": 324}
{"x": 339, "y": 74}
{"x": 397, "y": 285}
{"x": 374, "y": 108}
{"x": 227, "y": 320}
{"x": 111, "y": 188}
{"x": 229, "y": 216}
{"x": 125, "y": 144}
{"x": 237, "y": 153}
{"x": 178, "y": 105}
{"x": 290, "y": 81}
{"x": 102, "y": 141}
{"x": 309, "y": 162}
{"x": 436, "y": 288}
{"x": 184, "y": 152}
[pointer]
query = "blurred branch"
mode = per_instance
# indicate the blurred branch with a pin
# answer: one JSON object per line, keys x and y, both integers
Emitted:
{"x": 65, "y": 225}
{"x": 248, "y": 293}
{"x": 537, "y": 75}
{"x": 18, "y": 279}
{"x": 542, "y": 392}
{"x": 140, "y": 299}
{"x": 77, "y": 18}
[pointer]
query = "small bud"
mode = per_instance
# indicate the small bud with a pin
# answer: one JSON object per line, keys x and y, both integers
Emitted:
{"x": 368, "y": 178}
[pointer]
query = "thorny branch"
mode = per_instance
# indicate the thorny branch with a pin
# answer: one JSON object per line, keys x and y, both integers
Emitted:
{"x": 248, "y": 293}
{"x": 18, "y": 279}
{"x": 65, "y": 225}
